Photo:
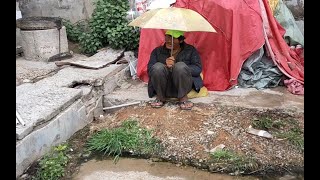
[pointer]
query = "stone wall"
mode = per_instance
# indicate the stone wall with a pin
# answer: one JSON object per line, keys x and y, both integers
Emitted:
{"x": 76, "y": 10}
{"x": 73, "y": 10}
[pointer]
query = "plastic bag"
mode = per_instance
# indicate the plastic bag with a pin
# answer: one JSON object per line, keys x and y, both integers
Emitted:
{"x": 202, "y": 93}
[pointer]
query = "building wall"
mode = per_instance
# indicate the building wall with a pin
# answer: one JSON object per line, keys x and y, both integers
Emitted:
{"x": 76, "y": 10}
{"x": 73, "y": 10}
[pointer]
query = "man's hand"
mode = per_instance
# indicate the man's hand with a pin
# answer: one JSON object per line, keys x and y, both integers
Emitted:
{"x": 170, "y": 61}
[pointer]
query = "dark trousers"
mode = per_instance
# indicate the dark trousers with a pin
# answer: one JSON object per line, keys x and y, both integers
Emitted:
{"x": 171, "y": 84}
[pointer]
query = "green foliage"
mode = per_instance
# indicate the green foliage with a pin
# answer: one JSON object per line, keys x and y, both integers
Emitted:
{"x": 109, "y": 27}
{"x": 74, "y": 30}
{"x": 284, "y": 129}
{"x": 52, "y": 164}
{"x": 129, "y": 137}
{"x": 294, "y": 136}
{"x": 108, "y": 13}
{"x": 123, "y": 36}
{"x": 90, "y": 42}
{"x": 232, "y": 160}
{"x": 267, "y": 123}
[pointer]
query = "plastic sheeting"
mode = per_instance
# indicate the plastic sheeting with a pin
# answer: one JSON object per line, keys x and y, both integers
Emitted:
{"x": 242, "y": 28}
{"x": 239, "y": 35}
{"x": 273, "y": 4}
{"x": 293, "y": 35}
{"x": 287, "y": 60}
{"x": 259, "y": 72}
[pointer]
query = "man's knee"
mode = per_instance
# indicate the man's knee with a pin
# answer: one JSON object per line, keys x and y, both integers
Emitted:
{"x": 158, "y": 68}
{"x": 180, "y": 67}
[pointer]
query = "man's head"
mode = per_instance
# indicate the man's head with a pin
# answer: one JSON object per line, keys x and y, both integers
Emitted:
{"x": 178, "y": 37}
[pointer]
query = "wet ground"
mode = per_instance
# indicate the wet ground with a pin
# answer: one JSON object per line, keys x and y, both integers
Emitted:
{"x": 189, "y": 135}
{"x": 142, "y": 169}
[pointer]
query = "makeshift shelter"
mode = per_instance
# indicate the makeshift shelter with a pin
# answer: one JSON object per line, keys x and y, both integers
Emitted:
{"x": 243, "y": 27}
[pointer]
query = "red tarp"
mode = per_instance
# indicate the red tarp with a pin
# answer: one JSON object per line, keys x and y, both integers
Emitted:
{"x": 239, "y": 33}
{"x": 287, "y": 60}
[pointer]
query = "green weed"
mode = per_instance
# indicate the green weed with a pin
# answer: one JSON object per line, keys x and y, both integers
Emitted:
{"x": 129, "y": 137}
{"x": 52, "y": 164}
{"x": 294, "y": 136}
{"x": 232, "y": 161}
{"x": 267, "y": 123}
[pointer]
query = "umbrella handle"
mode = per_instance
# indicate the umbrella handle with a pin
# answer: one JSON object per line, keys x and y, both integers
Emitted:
{"x": 171, "y": 45}
{"x": 170, "y": 69}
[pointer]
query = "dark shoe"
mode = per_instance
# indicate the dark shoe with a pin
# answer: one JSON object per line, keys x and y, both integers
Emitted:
{"x": 186, "y": 105}
{"x": 156, "y": 103}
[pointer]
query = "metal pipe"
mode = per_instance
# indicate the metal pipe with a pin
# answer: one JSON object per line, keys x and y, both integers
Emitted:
{"x": 121, "y": 105}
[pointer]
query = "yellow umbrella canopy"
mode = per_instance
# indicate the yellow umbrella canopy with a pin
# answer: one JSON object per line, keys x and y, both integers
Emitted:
{"x": 173, "y": 18}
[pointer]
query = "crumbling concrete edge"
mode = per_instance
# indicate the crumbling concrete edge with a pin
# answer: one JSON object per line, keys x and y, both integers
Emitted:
{"x": 64, "y": 125}
{"x": 58, "y": 130}
{"x": 113, "y": 82}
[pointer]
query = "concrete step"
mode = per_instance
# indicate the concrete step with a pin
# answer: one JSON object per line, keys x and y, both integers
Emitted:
{"x": 38, "y": 104}
{"x": 275, "y": 98}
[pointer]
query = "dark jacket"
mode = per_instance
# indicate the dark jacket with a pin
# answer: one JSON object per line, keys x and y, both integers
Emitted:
{"x": 188, "y": 55}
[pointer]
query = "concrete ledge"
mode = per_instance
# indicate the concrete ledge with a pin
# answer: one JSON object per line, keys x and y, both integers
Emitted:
{"x": 276, "y": 98}
{"x": 51, "y": 103}
{"x": 112, "y": 83}
{"x": 61, "y": 128}
{"x": 38, "y": 104}
{"x": 69, "y": 76}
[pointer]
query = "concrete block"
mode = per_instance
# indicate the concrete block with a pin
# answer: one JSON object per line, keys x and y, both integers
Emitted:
{"x": 98, "y": 109}
{"x": 68, "y": 76}
{"x": 40, "y": 45}
{"x": 33, "y": 69}
{"x": 90, "y": 114}
{"x": 113, "y": 81}
{"x": 74, "y": 10}
{"x": 61, "y": 128}
{"x": 38, "y": 104}
{"x": 18, "y": 37}
{"x": 121, "y": 96}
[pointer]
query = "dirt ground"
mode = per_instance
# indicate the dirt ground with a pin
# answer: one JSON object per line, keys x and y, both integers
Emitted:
{"x": 74, "y": 47}
{"x": 188, "y": 136}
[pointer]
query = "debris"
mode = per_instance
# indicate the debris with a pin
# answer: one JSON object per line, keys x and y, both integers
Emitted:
{"x": 24, "y": 176}
{"x": 287, "y": 177}
{"x": 121, "y": 105}
{"x": 172, "y": 138}
{"x": 219, "y": 147}
{"x": 27, "y": 81}
{"x": 20, "y": 119}
{"x": 257, "y": 132}
{"x": 210, "y": 132}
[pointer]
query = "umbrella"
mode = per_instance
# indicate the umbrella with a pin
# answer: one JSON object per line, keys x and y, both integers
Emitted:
{"x": 173, "y": 18}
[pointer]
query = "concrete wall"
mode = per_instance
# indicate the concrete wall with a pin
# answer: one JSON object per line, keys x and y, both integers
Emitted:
{"x": 74, "y": 10}
{"x": 40, "y": 45}
{"x": 18, "y": 36}
{"x": 68, "y": 120}
{"x": 60, "y": 129}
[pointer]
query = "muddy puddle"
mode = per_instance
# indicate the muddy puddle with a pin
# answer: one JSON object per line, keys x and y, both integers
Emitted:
{"x": 142, "y": 169}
